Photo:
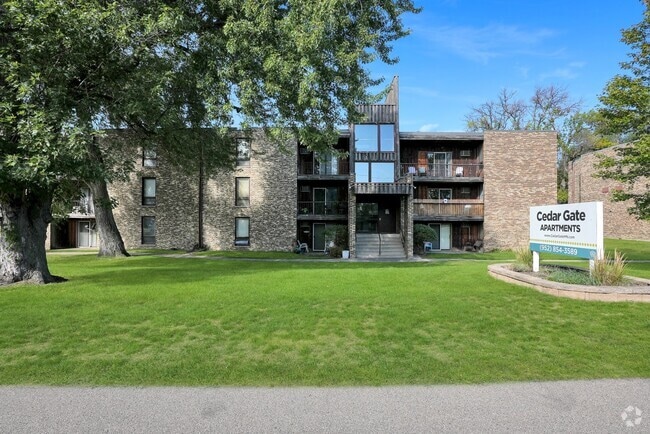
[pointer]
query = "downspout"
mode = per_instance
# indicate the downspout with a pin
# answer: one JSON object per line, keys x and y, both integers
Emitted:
{"x": 201, "y": 175}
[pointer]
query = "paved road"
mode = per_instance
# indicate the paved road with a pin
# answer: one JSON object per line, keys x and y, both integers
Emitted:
{"x": 572, "y": 406}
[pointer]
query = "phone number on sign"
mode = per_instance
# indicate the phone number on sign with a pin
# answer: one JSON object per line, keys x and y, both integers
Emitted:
{"x": 558, "y": 249}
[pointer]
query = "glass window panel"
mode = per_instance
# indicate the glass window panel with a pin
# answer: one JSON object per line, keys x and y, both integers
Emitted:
{"x": 148, "y": 191}
{"x": 149, "y": 157}
{"x": 242, "y": 192}
{"x": 243, "y": 153}
{"x": 386, "y": 134}
{"x": 148, "y": 230}
{"x": 383, "y": 172}
{"x": 361, "y": 171}
{"x": 365, "y": 137}
{"x": 242, "y": 231}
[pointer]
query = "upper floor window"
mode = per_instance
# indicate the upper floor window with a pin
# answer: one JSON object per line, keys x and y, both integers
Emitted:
{"x": 243, "y": 152}
{"x": 149, "y": 157}
{"x": 242, "y": 191}
{"x": 148, "y": 191}
{"x": 374, "y": 137}
{"x": 374, "y": 172}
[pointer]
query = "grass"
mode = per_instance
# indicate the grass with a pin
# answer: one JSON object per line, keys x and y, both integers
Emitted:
{"x": 149, "y": 320}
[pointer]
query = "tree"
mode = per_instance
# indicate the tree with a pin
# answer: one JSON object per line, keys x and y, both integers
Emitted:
{"x": 160, "y": 69}
{"x": 549, "y": 108}
{"x": 626, "y": 111}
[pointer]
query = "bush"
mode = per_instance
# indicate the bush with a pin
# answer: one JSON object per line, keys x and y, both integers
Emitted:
{"x": 523, "y": 259}
{"x": 336, "y": 252}
{"x": 338, "y": 234}
{"x": 422, "y": 234}
{"x": 608, "y": 271}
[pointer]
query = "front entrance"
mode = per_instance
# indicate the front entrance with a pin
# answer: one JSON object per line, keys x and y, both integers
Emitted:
{"x": 374, "y": 217}
{"x": 444, "y": 236}
{"x": 86, "y": 234}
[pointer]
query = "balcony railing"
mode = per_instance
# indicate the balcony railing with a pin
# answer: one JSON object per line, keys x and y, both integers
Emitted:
{"x": 83, "y": 206}
{"x": 308, "y": 168}
{"x": 443, "y": 170}
{"x": 437, "y": 208}
{"x": 382, "y": 188}
{"x": 323, "y": 208}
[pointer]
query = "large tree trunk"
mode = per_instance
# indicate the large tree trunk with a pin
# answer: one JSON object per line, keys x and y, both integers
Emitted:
{"x": 110, "y": 239}
{"x": 23, "y": 229}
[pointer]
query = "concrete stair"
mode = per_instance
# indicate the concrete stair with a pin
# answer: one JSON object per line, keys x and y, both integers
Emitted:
{"x": 391, "y": 246}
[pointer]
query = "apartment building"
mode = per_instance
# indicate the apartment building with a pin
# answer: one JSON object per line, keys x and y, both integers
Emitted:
{"x": 584, "y": 186}
{"x": 380, "y": 183}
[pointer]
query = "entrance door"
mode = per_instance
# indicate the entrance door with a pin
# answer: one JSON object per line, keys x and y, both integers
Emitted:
{"x": 86, "y": 234}
{"x": 440, "y": 164}
{"x": 443, "y": 232}
{"x": 367, "y": 217}
{"x": 387, "y": 220}
{"x": 319, "y": 200}
{"x": 318, "y": 242}
{"x": 445, "y": 237}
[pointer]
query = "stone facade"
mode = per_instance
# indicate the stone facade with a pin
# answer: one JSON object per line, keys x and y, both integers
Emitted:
{"x": 584, "y": 186}
{"x": 519, "y": 172}
{"x": 272, "y": 209}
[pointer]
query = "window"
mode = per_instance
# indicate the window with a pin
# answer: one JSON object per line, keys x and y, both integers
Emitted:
{"x": 373, "y": 138}
{"x": 149, "y": 157}
{"x": 148, "y": 191}
{"x": 148, "y": 230}
{"x": 242, "y": 231}
{"x": 387, "y": 137}
{"x": 440, "y": 193}
{"x": 374, "y": 172}
{"x": 243, "y": 153}
{"x": 242, "y": 191}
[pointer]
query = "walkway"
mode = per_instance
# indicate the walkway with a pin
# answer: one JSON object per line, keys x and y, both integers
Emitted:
{"x": 571, "y": 406}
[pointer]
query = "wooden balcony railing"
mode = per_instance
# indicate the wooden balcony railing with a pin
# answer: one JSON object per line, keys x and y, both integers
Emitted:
{"x": 323, "y": 208}
{"x": 450, "y": 170}
{"x": 307, "y": 168}
{"x": 378, "y": 113}
{"x": 437, "y": 208}
{"x": 382, "y": 188}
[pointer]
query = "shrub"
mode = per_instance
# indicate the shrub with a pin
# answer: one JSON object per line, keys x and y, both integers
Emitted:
{"x": 523, "y": 259}
{"x": 609, "y": 271}
{"x": 422, "y": 234}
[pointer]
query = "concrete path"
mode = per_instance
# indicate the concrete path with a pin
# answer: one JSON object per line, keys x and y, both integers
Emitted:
{"x": 572, "y": 406}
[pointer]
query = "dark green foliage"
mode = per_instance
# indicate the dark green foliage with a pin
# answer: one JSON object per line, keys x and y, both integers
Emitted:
{"x": 422, "y": 234}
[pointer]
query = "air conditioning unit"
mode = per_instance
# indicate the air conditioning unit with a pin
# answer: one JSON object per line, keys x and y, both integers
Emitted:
{"x": 465, "y": 153}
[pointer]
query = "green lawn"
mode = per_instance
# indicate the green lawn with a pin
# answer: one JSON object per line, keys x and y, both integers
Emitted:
{"x": 149, "y": 320}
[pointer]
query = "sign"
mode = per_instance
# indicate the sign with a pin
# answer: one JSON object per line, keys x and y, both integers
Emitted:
{"x": 574, "y": 229}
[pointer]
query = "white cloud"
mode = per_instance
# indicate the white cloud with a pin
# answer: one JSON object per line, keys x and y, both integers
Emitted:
{"x": 481, "y": 44}
{"x": 568, "y": 72}
{"x": 427, "y": 128}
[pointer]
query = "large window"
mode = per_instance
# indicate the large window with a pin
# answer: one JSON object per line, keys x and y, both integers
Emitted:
{"x": 148, "y": 191}
{"x": 373, "y": 137}
{"x": 242, "y": 191}
{"x": 242, "y": 231}
{"x": 243, "y": 152}
{"x": 374, "y": 172}
{"x": 148, "y": 230}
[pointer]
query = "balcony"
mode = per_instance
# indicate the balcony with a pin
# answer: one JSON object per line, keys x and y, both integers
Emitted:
{"x": 82, "y": 208}
{"x": 382, "y": 188}
{"x": 315, "y": 210}
{"x": 447, "y": 171}
{"x": 453, "y": 210}
{"x": 308, "y": 169}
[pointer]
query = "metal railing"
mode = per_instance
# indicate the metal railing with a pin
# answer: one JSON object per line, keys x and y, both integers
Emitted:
{"x": 382, "y": 188}
{"x": 443, "y": 170}
{"x": 322, "y": 208}
{"x": 439, "y": 208}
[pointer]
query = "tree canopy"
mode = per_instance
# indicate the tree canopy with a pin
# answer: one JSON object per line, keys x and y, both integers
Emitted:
{"x": 626, "y": 111}
{"x": 71, "y": 68}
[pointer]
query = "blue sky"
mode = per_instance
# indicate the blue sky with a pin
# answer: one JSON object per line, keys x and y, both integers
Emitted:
{"x": 463, "y": 52}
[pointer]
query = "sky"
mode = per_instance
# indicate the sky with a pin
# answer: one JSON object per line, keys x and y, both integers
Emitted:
{"x": 461, "y": 53}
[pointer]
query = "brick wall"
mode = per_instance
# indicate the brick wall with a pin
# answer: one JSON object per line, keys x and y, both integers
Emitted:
{"x": 519, "y": 169}
{"x": 272, "y": 209}
{"x": 585, "y": 187}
